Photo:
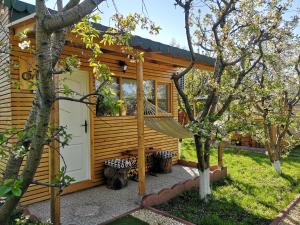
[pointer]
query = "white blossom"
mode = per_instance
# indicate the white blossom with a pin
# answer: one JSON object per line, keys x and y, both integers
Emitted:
{"x": 24, "y": 45}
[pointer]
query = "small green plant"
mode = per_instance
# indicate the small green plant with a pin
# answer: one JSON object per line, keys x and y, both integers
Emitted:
{"x": 11, "y": 187}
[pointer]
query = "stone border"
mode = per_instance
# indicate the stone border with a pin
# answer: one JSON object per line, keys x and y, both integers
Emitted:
{"x": 168, "y": 193}
{"x": 286, "y": 211}
{"x": 157, "y": 211}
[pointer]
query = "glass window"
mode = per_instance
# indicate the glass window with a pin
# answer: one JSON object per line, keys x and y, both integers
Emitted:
{"x": 163, "y": 97}
{"x": 113, "y": 85}
{"x": 149, "y": 90}
{"x": 128, "y": 88}
{"x": 129, "y": 96}
{"x": 107, "y": 102}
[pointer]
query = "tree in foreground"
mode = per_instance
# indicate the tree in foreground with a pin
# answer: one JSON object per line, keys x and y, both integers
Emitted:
{"x": 50, "y": 37}
{"x": 234, "y": 32}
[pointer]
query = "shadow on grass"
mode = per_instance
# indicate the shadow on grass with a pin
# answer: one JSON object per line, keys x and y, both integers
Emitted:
{"x": 257, "y": 157}
{"x": 290, "y": 179}
{"x": 262, "y": 158}
{"x": 244, "y": 188}
{"x": 251, "y": 190}
{"x": 215, "y": 212}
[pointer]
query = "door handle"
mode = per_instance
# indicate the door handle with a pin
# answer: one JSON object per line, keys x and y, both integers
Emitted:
{"x": 85, "y": 125}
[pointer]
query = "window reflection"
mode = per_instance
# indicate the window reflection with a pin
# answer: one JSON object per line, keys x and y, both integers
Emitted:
{"x": 149, "y": 91}
{"x": 163, "y": 97}
{"x": 129, "y": 96}
{"x": 113, "y": 85}
{"x": 108, "y": 96}
{"x": 127, "y": 89}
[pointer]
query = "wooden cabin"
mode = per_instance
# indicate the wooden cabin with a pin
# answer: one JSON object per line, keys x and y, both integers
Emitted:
{"x": 95, "y": 139}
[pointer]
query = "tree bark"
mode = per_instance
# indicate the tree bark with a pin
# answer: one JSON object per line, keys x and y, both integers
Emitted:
{"x": 44, "y": 100}
{"x": 14, "y": 163}
{"x": 202, "y": 148}
{"x": 47, "y": 54}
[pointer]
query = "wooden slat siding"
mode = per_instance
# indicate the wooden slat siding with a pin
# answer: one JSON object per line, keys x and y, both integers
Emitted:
{"x": 5, "y": 93}
{"x": 113, "y": 135}
{"x": 110, "y": 135}
{"x": 21, "y": 103}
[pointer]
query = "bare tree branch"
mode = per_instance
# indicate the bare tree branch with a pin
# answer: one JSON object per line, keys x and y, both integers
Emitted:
{"x": 73, "y": 100}
{"x": 296, "y": 98}
{"x": 70, "y": 16}
{"x": 177, "y": 76}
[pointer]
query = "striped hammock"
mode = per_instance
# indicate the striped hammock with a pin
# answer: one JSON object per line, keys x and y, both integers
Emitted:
{"x": 164, "y": 123}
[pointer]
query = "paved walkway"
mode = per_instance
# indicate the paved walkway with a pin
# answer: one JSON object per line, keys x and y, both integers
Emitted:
{"x": 293, "y": 217}
{"x": 153, "y": 218}
{"x": 290, "y": 215}
{"x": 97, "y": 205}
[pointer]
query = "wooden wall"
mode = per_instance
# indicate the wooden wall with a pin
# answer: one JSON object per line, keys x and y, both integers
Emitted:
{"x": 5, "y": 92}
{"x": 21, "y": 102}
{"x": 113, "y": 135}
{"x": 109, "y": 135}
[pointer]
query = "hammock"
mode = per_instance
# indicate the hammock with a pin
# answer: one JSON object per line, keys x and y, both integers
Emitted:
{"x": 164, "y": 123}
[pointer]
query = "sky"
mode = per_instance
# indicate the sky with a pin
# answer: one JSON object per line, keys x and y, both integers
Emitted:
{"x": 162, "y": 12}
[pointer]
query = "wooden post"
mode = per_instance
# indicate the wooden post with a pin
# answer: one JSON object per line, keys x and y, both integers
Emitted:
{"x": 140, "y": 128}
{"x": 220, "y": 155}
{"x": 54, "y": 167}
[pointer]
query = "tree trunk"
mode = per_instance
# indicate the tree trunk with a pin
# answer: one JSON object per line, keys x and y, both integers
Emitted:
{"x": 204, "y": 185}
{"x": 203, "y": 167}
{"x": 14, "y": 163}
{"x": 277, "y": 166}
{"x": 274, "y": 158}
{"x": 45, "y": 97}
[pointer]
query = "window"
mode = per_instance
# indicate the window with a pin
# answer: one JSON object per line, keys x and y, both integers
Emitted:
{"x": 113, "y": 84}
{"x": 126, "y": 89}
{"x": 129, "y": 96}
{"x": 163, "y": 97}
{"x": 149, "y": 94}
{"x": 107, "y": 99}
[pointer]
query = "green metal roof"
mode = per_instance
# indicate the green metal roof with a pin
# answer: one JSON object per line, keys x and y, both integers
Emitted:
{"x": 21, "y": 9}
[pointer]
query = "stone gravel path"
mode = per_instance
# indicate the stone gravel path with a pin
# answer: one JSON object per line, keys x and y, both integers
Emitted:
{"x": 293, "y": 217}
{"x": 153, "y": 218}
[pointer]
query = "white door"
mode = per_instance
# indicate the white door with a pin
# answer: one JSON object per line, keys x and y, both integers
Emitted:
{"x": 75, "y": 117}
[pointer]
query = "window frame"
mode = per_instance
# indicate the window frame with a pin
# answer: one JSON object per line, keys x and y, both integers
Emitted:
{"x": 119, "y": 79}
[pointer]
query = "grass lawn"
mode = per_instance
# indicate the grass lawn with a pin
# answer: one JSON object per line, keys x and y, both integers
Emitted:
{"x": 252, "y": 194}
{"x": 128, "y": 220}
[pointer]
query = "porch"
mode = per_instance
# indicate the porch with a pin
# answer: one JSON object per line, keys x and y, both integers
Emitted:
{"x": 97, "y": 205}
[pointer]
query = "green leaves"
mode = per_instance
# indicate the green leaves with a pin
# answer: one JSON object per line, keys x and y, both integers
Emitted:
{"x": 16, "y": 191}
{"x": 4, "y": 190}
{"x": 70, "y": 63}
{"x": 59, "y": 134}
{"x": 18, "y": 148}
{"x": 11, "y": 187}
{"x": 62, "y": 180}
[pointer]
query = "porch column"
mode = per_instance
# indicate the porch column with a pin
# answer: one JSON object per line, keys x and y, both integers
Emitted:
{"x": 54, "y": 166}
{"x": 140, "y": 127}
